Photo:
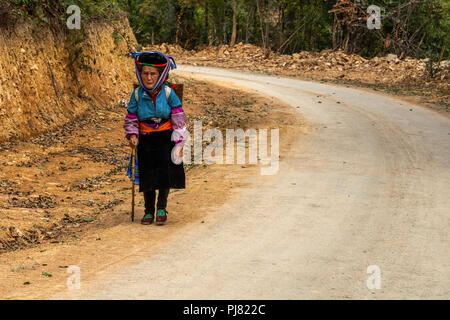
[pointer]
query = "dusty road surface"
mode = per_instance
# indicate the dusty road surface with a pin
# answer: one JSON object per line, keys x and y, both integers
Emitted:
{"x": 368, "y": 186}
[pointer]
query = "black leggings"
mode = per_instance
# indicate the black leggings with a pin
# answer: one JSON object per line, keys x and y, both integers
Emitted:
{"x": 149, "y": 197}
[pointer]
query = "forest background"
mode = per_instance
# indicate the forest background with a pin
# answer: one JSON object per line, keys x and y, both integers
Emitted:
{"x": 414, "y": 28}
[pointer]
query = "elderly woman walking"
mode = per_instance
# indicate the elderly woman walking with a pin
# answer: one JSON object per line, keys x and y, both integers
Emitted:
{"x": 156, "y": 126}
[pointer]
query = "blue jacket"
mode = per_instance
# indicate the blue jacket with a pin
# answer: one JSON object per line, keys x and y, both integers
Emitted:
{"x": 145, "y": 108}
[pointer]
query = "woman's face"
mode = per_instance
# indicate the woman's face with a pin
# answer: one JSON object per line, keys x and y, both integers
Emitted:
{"x": 149, "y": 76}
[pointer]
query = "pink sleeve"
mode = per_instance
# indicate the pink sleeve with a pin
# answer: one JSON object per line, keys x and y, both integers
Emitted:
{"x": 131, "y": 125}
{"x": 179, "y": 125}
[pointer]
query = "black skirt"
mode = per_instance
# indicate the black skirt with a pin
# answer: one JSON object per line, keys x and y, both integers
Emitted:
{"x": 156, "y": 168}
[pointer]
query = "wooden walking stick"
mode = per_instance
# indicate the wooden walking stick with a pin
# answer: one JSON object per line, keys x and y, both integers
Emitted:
{"x": 133, "y": 158}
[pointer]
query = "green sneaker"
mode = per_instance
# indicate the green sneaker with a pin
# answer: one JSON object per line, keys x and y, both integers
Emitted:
{"x": 147, "y": 218}
{"x": 161, "y": 216}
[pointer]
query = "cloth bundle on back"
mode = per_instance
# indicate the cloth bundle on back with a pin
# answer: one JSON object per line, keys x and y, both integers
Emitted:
{"x": 156, "y": 117}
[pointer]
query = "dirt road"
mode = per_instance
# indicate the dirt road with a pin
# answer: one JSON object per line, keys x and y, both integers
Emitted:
{"x": 368, "y": 186}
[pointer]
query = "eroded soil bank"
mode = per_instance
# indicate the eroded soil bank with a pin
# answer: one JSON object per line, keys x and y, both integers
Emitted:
{"x": 49, "y": 78}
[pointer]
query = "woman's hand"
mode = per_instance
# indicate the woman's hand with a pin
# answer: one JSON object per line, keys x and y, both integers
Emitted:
{"x": 181, "y": 153}
{"x": 133, "y": 141}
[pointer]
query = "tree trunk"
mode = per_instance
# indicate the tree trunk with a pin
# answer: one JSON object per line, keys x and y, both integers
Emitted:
{"x": 224, "y": 25}
{"x": 281, "y": 24}
{"x": 334, "y": 42}
{"x": 180, "y": 14}
{"x": 247, "y": 24}
{"x": 207, "y": 32}
{"x": 267, "y": 25}
{"x": 260, "y": 23}
{"x": 213, "y": 35}
{"x": 233, "y": 34}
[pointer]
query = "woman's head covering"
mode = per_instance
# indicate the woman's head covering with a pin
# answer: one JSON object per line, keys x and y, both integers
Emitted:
{"x": 154, "y": 59}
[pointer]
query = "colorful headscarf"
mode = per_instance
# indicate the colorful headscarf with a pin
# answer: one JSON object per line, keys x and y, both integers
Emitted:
{"x": 153, "y": 59}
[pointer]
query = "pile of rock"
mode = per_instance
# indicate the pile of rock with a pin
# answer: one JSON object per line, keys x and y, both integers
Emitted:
{"x": 325, "y": 65}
